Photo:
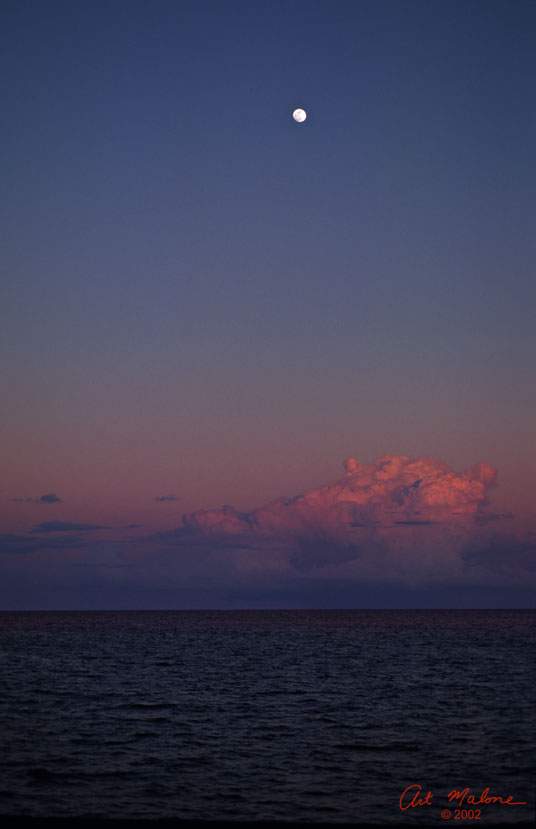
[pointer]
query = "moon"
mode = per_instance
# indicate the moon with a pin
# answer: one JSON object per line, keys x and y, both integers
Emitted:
{"x": 299, "y": 115}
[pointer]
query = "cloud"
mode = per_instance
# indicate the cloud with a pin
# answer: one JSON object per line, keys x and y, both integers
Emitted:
{"x": 506, "y": 555}
{"x": 13, "y": 544}
{"x": 396, "y": 490}
{"x": 65, "y": 527}
{"x": 162, "y": 498}
{"x": 381, "y": 532}
{"x": 414, "y": 523}
{"x": 49, "y": 498}
{"x": 406, "y": 520}
{"x": 18, "y": 544}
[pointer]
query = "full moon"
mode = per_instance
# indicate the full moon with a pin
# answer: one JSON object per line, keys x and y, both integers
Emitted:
{"x": 299, "y": 115}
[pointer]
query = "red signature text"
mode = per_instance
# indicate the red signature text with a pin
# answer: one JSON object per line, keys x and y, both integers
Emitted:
{"x": 412, "y": 797}
{"x": 461, "y": 796}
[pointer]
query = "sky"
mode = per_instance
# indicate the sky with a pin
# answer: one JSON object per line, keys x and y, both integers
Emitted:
{"x": 205, "y": 303}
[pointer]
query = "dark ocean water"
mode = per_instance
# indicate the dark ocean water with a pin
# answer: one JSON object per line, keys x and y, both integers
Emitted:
{"x": 265, "y": 715}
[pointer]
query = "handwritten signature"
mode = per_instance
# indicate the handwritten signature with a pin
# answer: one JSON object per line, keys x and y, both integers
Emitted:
{"x": 413, "y": 798}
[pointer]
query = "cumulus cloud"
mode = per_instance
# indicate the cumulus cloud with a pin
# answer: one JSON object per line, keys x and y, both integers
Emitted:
{"x": 411, "y": 520}
{"x": 380, "y": 532}
{"x": 396, "y": 490}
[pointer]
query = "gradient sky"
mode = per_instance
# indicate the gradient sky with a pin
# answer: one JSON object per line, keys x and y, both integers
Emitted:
{"x": 201, "y": 298}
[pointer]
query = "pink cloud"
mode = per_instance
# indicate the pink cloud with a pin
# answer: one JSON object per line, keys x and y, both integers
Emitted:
{"x": 396, "y": 490}
{"x": 400, "y": 523}
{"x": 407, "y": 520}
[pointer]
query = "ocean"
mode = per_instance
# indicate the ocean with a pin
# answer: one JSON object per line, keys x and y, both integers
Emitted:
{"x": 302, "y": 716}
